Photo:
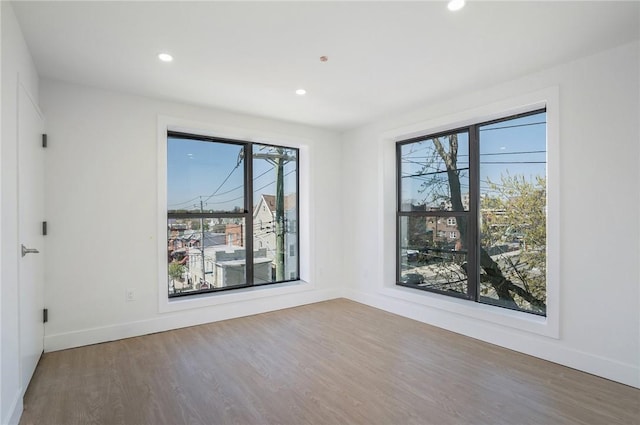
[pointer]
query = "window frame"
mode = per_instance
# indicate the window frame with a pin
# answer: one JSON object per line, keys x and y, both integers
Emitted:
{"x": 247, "y": 214}
{"x": 473, "y": 213}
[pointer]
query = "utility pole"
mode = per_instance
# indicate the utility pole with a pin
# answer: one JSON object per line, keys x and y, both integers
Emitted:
{"x": 204, "y": 275}
{"x": 278, "y": 158}
{"x": 279, "y": 165}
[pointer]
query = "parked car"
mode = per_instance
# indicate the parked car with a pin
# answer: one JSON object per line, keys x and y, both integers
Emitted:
{"x": 412, "y": 254}
{"x": 412, "y": 278}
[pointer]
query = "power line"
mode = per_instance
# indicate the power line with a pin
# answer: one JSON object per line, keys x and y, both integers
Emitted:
{"x": 255, "y": 190}
{"x": 466, "y": 168}
{"x": 427, "y": 138}
{"x": 513, "y": 162}
{"x": 466, "y": 155}
{"x": 242, "y": 185}
{"x": 431, "y": 173}
{"x": 185, "y": 202}
{"x": 224, "y": 193}
{"x": 511, "y": 153}
{"x": 513, "y": 126}
{"x": 223, "y": 182}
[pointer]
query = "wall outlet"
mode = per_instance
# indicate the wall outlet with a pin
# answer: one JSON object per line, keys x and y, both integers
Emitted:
{"x": 130, "y": 294}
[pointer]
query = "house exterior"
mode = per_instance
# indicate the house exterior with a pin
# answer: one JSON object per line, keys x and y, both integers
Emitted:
{"x": 443, "y": 230}
{"x": 264, "y": 219}
{"x": 234, "y": 234}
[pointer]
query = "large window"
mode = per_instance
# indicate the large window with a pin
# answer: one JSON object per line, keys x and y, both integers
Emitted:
{"x": 232, "y": 214}
{"x": 471, "y": 213}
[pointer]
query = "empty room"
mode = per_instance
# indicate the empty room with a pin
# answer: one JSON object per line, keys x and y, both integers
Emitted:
{"x": 298, "y": 212}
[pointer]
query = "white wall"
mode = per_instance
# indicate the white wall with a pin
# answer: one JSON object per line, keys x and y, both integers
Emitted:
{"x": 103, "y": 221}
{"x": 16, "y": 63}
{"x": 598, "y": 216}
{"x": 1, "y": 287}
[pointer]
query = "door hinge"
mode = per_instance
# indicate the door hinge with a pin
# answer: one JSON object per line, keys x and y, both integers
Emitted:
{"x": 45, "y": 315}
{"x": 44, "y": 228}
{"x": 44, "y": 140}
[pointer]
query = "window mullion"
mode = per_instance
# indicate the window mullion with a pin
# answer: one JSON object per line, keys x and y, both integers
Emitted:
{"x": 473, "y": 272}
{"x": 248, "y": 187}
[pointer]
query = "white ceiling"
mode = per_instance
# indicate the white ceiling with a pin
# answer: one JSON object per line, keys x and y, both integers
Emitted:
{"x": 252, "y": 56}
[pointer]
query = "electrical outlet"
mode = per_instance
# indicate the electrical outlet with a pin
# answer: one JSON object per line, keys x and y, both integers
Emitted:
{"x": 130, "y": 294}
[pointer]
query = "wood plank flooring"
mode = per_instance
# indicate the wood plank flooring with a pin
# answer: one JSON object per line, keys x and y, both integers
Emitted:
{"x": 335, "y": 362}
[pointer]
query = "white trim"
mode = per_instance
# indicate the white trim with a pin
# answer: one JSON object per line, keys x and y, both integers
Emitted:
{"x": 16, "y": 409}
{"x": 192, "y": 317}
{"x": 237, "y": 295}
{"x": 549, "y": 326}
{"x": 547, "y": 349}
{"x": 305, "y": 221}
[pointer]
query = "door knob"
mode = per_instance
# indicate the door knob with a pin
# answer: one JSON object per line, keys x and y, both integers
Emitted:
{"x": 26, "y": 251}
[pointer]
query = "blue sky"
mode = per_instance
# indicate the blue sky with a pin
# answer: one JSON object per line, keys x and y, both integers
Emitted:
{"x": 211, "y": 172}
{"x": 514, "y": 147}
{"x": 517, "y": 146}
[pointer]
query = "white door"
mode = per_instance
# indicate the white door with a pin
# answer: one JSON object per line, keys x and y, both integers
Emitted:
{"x": 30, "y": 218}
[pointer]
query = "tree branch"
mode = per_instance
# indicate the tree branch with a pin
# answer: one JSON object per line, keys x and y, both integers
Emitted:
{"x": 503, "y": 286}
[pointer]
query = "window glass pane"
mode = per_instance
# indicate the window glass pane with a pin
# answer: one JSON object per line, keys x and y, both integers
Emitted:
{"x": 204, "y": 176}
{"x": 513, "y": 189}
{"x": 223, "y": 263}
{"x": 433, "y": 254}
{"x": 275, "y": 214}
{"x": 434, "y": 174}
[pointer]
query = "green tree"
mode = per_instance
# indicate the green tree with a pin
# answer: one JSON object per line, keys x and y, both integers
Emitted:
{"x": 511, "y": 292}
{"x": 176, "y": 270}
{"x": 196, "y": 223}
{"x": 515, "y": 213}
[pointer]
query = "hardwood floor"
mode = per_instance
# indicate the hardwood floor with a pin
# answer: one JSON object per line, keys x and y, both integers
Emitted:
{"x": 336, "y": 362}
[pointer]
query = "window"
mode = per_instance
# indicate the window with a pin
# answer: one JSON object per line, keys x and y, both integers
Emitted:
{"x": 488, "y": 180}
{"x": 219, "y": 194}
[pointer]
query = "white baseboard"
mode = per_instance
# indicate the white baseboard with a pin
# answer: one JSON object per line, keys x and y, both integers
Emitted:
{"x": 15, "y": 411}
{"x": 543, "y": 348}
{"x": 170, "y": 321}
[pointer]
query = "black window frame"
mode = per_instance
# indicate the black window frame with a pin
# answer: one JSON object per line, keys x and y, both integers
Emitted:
{"x": 473, "y": 213}
{"x": 246, "y": 214}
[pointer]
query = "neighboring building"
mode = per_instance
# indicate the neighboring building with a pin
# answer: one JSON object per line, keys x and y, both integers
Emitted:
{"x": 224, "y": 258}
{"x": 224, "y": 265}
{"x": 436, "y": 229}
{"x": 264, "y": 219}
{"x": 234, "y": 234}
{"x": 230, "y": 267}
{"x": 224, "y": 261}
{"x": 465, "y": 202}
{"x": 443, "y": 229}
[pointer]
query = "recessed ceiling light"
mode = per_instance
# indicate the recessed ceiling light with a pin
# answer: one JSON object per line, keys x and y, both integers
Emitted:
{"x": 455, "y": 5}
{"x": 301, "y": 92}
{"x": 165, "y": 57}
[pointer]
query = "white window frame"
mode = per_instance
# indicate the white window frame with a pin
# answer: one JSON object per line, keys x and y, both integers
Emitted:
{"x": 168, "y": 305}
{"x": 548, "y": 326}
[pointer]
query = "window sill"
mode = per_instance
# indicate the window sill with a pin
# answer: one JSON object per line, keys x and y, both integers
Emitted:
{"x": 546, "y": 326}
{"x": 168, "y": 305}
